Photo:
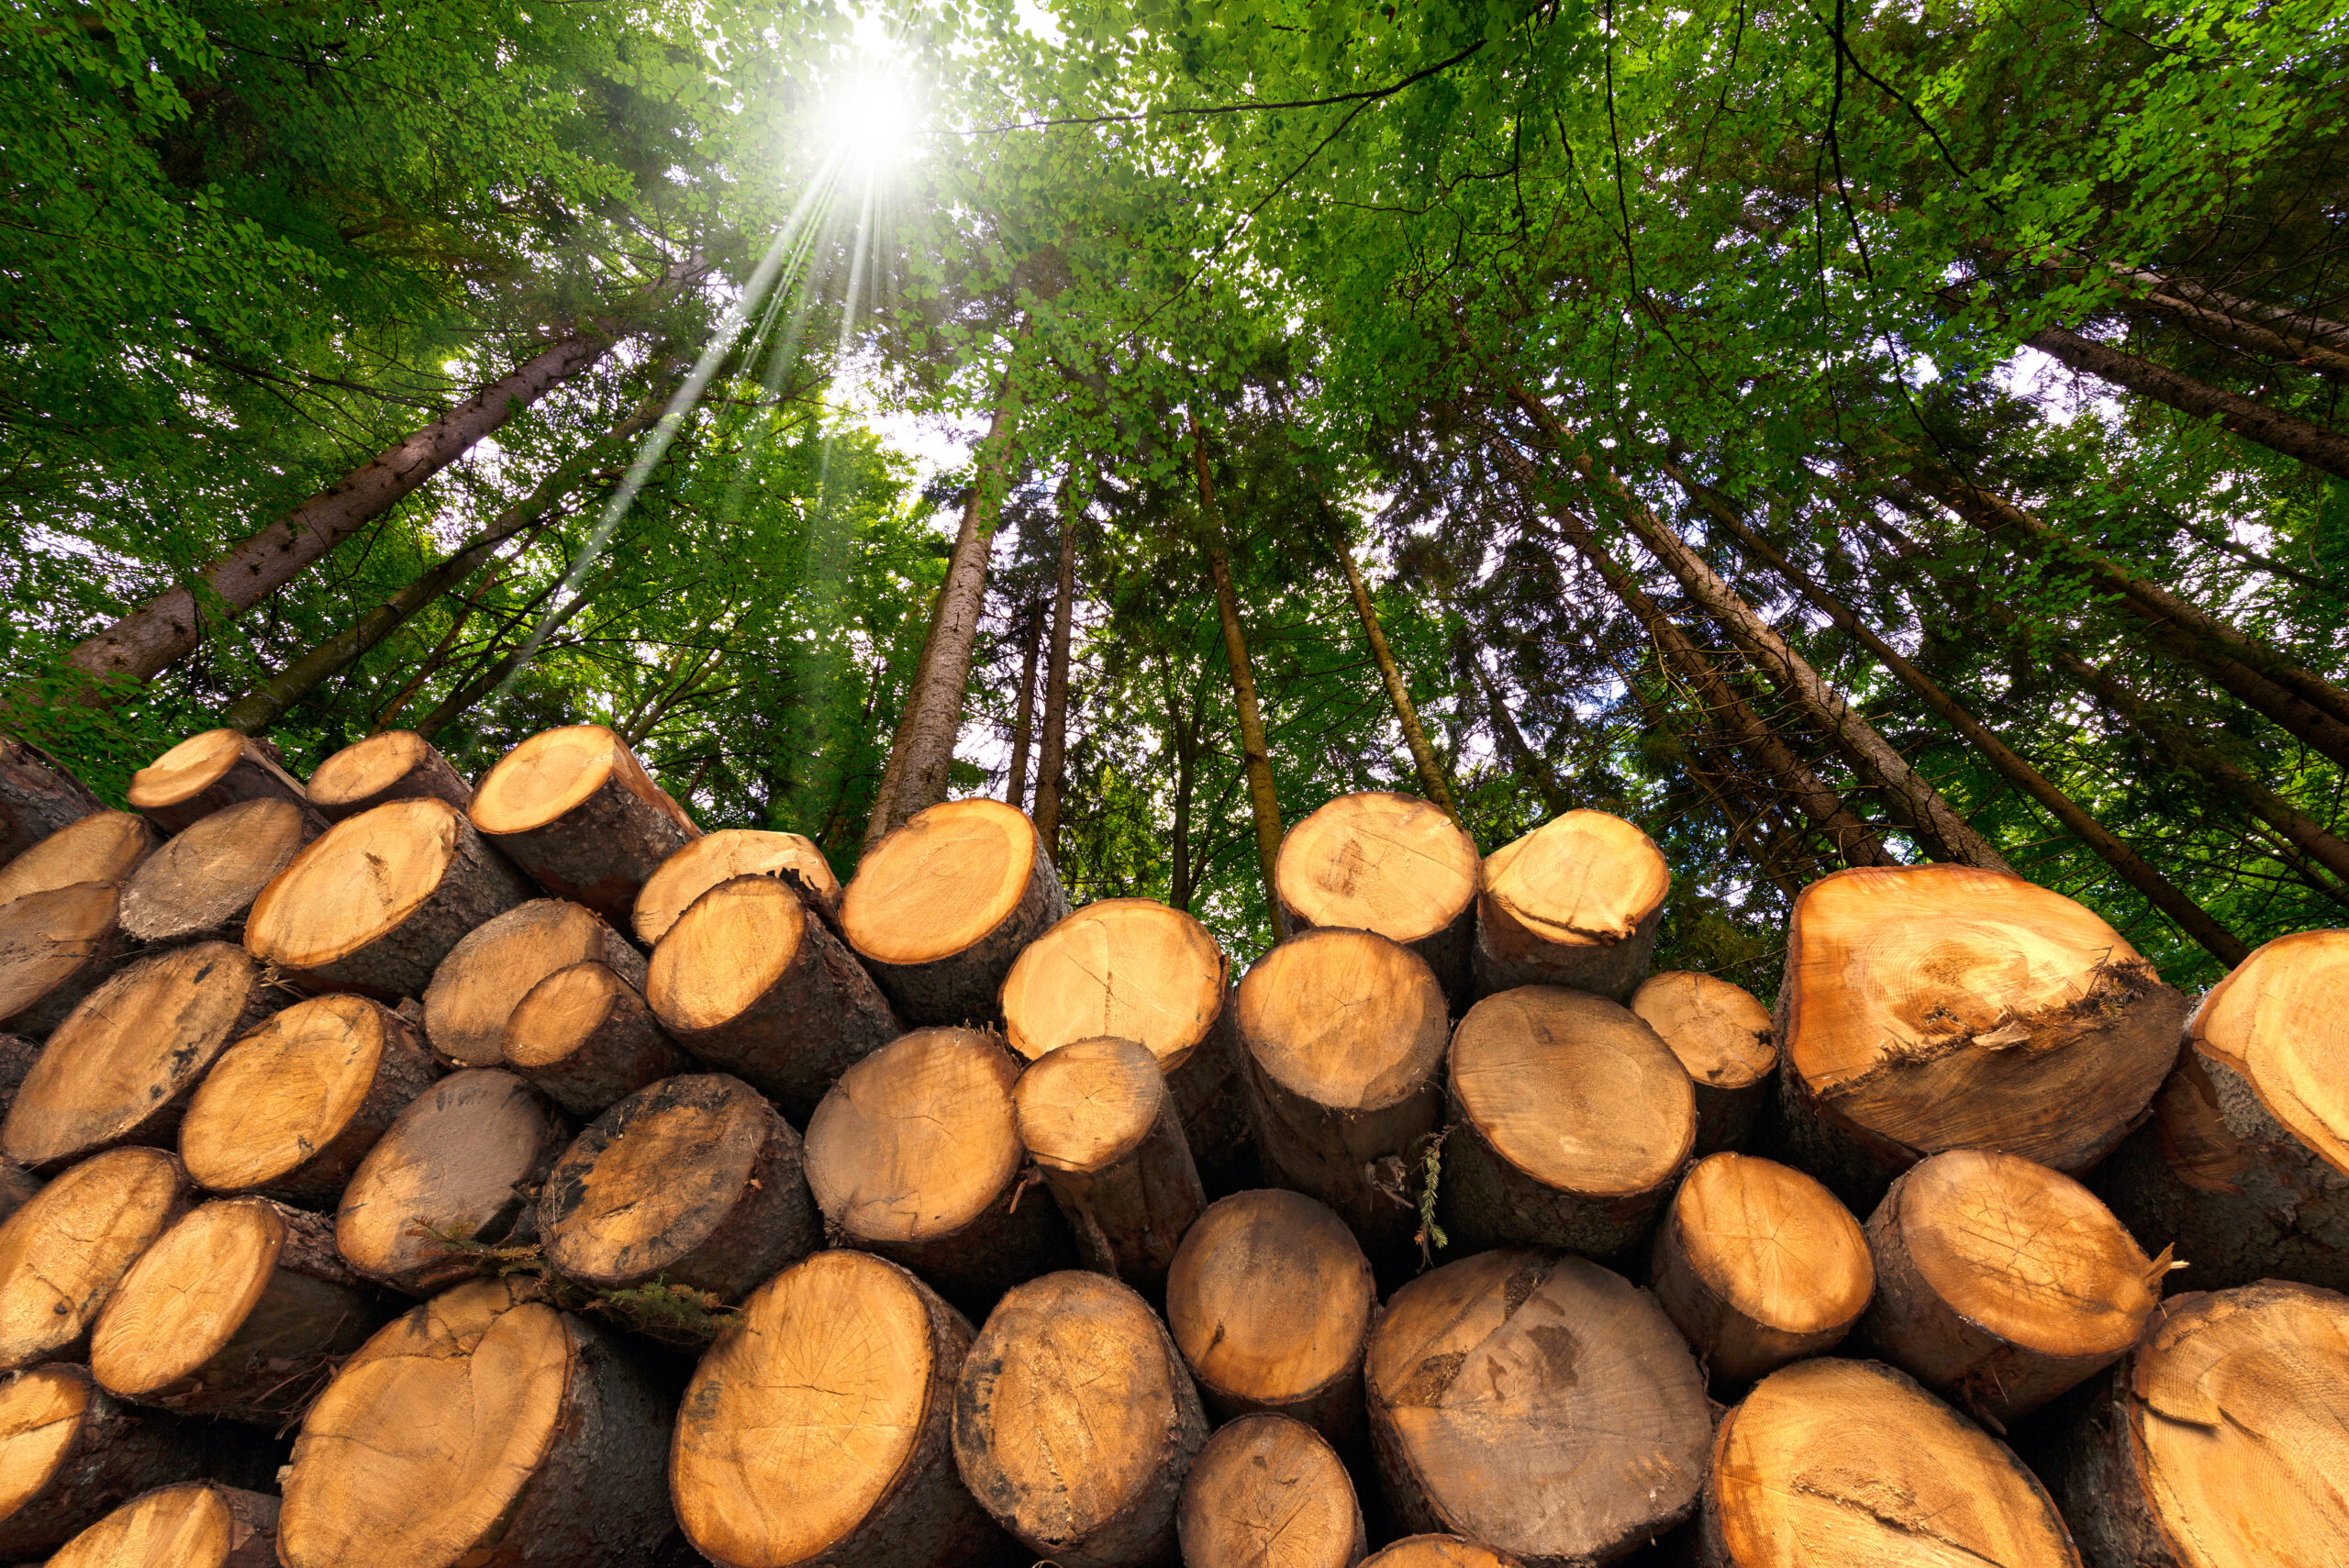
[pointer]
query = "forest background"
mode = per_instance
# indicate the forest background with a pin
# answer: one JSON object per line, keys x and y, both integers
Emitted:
{"x": 1822, "y": 434}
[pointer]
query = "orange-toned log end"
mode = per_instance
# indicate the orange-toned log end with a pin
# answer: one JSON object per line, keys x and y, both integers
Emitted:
{"x": 1391, "y": 865}
{"x": 1835, "y": 1463}
{"x": 575, "y": 809}
{"x": 106, "y": 846}
{"x": 492, "y": 968}
{"x": 818, "y": 1426}
{"x": 1576, "y": 902}
{"x": 722, "y": 857}
{"x": 62, "y": 1253}
{"x": 1098, "y": 1119}
{"x": 207, "y": 773}
{"x": 195, "y": 1524}
{"x": 1074, "y": 1422}
{"x": 1940, "y": 1006}
{"x": 1483, "y": 1377}
{"x": 1723, "y": 1036}
{"x": 1268, "y": 1492}
{"x": 398, "y": 764}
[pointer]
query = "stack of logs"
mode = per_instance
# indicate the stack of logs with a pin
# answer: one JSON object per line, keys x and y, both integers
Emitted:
{"x": 576, "y": 1189}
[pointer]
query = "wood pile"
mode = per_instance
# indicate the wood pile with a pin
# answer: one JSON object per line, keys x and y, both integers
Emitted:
{"x": 400, "y": 1170}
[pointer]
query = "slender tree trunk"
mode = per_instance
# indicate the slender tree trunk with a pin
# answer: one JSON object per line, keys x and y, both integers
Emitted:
{"x": 1405, "y": 713}
{"x": 170, "y": 625}
{"x": 1023, "y": 727}
{"x": 1908, "y": 793}
{"x": 2255, "y": 421}
{"x": 2164, "y": 894}
{"x": 1053, "y": 748}
{"x": 1263, "y": 804}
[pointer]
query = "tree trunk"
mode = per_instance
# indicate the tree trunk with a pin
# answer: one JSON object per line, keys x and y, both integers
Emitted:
{"x": 37, "y": 798}
{"x": 395, "y": 764}
{"x": 722, "y": 856}
{"x": 199, "y": 886}
{"x": 55, "y": 949}
{"x": 1405, "y": 713}
{"x": 1482, "y": 1378}
{"x": 169, "y": 626}
{"x": 106, "y": 846}
{"x": 594, "y": 841}
{"x": 1052, "y": 750}
{"x": 1724, "y": 1040}
{"x": 205, "y": 773}
{"x": 1023, "y": 727}
{"x": 63, "y": 1253}
{"x": 1758, "y": 1265}
{"x": 476, "y": 987}
{"x": 1268, "y": 1490}
{"x": 1074, "y": 1422}
{"x": 1390, "y": 864}
{"x": 203, "y": 1525}
{"x": 1097, "y": 1119}
{"x": 1263, "y": 802}
{"x": 1577, "y": 902}
{"x": 584, "y": 1038}
{"x": 2289, "y": 434}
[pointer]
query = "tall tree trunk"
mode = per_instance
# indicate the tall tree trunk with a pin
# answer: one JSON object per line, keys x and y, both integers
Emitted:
{"x": 1853, "y": 840}
{"x": 170, "y": 625}
{"x": 1023, "y": 727}
{"x": 1262, "y": 803}
{"x": 923, "y": 754}
{"x": 1053, "y": 748}
{"x": 1908, "y": 793}
{"x": 1407, "y": 714}
{"x": 2164, "y": 894}
{"x": 2255, "y": 421}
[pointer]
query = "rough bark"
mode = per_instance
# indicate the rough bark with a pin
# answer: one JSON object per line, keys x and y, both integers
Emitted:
{"x": 585, "y": 1038}
{"x": 62, "y": 1253}
{"x": 1263, "y": 804}
{"x": 1054, "y": 747}
{"x": 1406, "y": 713}
{"x": 207, "y": 773}
{"x": 37, "y": 798}
{"x": 597, "y": 848}
{"x": 1268, "y": 1492}
{"x": 392, "y": 764}
{"x": 200, "y": 885}
{"x": 2276, "y": 430}
{"x": 1098, "y": 1119}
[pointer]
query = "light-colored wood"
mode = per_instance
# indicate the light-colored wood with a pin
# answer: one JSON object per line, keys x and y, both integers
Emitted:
{"x": 289, "y": 1111}
{"x": 1941, "y": 1007}
{"x": 1722, "y": 1035}
{"x": 1097, "y": 1119}
{"x": 484, "y": 1429}
{"x": 696, "y": 1180}
{"x": 195, "y": 1524}
{"x": 62, "y": 1253}
{"x": 398, "y": 764}
{"x": 818, "y": 1426}
{"x": 1342, "y": 1035}
{"x": 585, "y": 1038}
{"x": 460, "y": 1160}
{"x": 2000, "y": 1283}
{"x": 720, "y": 857}
{"x": 378, "y": 900}
{"x": 1539, "y": 1403}
{"x": 915, "y": 1155}
{"x": 1576, "y": 902}
{"x": 55, "y": 949}
{"x": 1074, "y": 1422}
{"x": 241, "y": 1309}
{"x": 1832, "y": 1463}
{"x": 493, "y": 967}
{"x": 1389, "y": 863}
{"x": 1268, "y": 1492}
{"x": 1270, "y": 1301}
{"x": 68, "y": 1455}
{"x": 123, "y": 1065}
{"x": 747, "y": 980}
{"x": 1759, "y": 1265}
{"x": 106, "y": 846}
{"x": 1440, "y": 1551}
{"x": 941, "y": 906}
{"x": 1570, "y": 1120}
{"x": 205, "y": 773}
{"x": 198, "y": 887}
{"x": 575, "y": 809}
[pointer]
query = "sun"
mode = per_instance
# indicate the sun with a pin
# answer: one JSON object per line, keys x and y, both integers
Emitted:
{"x": 869, "y": 119}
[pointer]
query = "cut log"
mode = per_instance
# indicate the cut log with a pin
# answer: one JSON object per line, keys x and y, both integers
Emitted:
{"x": 288, "y": 1111}
{"x": 1440, "y": 1551}
{"x": 55, "y": 949}
{"x": 1270, "y": 1301}
{"x": 1836, "y": 1464}
{"x": 205, "y": 772}
{"x": 1074, "y": 1422}
{"x": 1539, "y": 1403}
{"x": 66, "y": 1250}
{"x": 818, "y": 1428}
{"x": 195, "y": 1524}
{"x": 398, "y": 764}
{"x": 473, "y": 992}
{"x": 68, "y": 1455}
{"x": 585, "y": 1038}
{"x": 105, "y": 845}
{"x": 17, "y": 1187}
{"x": 199, "y": 887}
{"x": 915, "y": 1155}
{"x": 2219, "y": 1443}
{"x": 1759, "y": 1265}
{"x": 377, "y": 902}
{"x": 1268, "y": 1492}
{"x": 722, "y": 857}
{"x": 123, "y": 1065}
{"x": 1570, "y": 1122}
{"x": 747, "y": 980}
{"x": 485, "y": 1430}
{"x": 1393, "y": 864}
{"x": 696, "y": 1180}
{"x": 1942, "y": 1006}
{"x": 2000, "y": 1283}
{"x": 2245, "y": 1168}
{"x": 1136, "y": 969}
{"x": 1098, "y": 1120}
{"x": 242, "y": 1309}
{"x": 576, "y": 810}
{"x": 1341, "y": 1036}
{"x": 1723, "y": 1035}
{"x": 1576, "y": 902}
{"x": 461, "y": 1162}
{"x": 37, "y": 798}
